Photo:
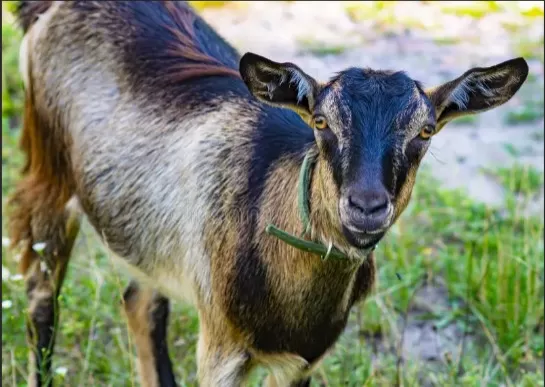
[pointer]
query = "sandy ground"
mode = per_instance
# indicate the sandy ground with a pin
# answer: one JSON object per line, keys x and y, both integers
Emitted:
{"x": 283, "y": 31}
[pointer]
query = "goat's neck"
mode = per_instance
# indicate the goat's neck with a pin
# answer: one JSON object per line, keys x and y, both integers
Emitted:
{"x": 281, "y": 208}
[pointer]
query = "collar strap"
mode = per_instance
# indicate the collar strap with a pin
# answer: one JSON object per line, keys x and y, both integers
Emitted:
{"x": 303, "y": 201}
{"x": 303, "y": 189}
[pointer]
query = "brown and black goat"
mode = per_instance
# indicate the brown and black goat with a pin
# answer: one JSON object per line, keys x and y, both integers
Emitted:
{"x": 180, "y": 153}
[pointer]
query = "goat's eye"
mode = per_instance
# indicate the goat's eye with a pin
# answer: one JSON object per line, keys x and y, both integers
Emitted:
{"x": 320, "y": 122}
{"x": 426, "y": 131}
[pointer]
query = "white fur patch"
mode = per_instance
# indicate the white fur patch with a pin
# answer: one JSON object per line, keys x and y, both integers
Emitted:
{"x": 303, "y": 87}
{"x": 27, "y": 43}
{"x": 284, "y": 369}
{"x": 228, "y": 373}
{"x": 219, "y": 369}
{"x": 460, "y": 94}
{"x": 293, "y": 77}
{"x": 23, "y": 61}
{"x": 172, "y": 284}
{"x": 73, "y": 205}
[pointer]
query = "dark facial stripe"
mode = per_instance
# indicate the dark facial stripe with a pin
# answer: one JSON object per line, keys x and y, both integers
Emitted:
{"x": 381, "y": 106}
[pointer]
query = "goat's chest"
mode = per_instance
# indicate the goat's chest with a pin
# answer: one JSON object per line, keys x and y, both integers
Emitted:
{"x": 300, "y": 315}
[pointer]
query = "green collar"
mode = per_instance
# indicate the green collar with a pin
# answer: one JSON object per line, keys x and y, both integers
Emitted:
{"x": 325, "y": 252}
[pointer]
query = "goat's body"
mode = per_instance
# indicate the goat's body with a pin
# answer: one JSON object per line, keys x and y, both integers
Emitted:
{"x": 180, "y": 175}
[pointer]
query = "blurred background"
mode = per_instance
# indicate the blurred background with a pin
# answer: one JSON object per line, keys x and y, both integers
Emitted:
{"x": 460, "y": 295}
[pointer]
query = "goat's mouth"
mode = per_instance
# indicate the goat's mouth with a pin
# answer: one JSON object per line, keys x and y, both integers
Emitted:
{"x": 364, "y": 231}
{"x": 362, "y": 239}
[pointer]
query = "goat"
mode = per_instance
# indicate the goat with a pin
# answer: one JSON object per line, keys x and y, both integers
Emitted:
{"x": 182, "y": 155}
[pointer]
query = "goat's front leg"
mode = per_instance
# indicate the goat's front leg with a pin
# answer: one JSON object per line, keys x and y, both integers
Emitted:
{"x": 221, "y": 361}
{"x": 147, "y": 314}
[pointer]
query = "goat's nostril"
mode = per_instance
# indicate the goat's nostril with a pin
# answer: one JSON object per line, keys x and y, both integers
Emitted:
{"x": 354, "y": 204}
{"x": 369, "y": 204}
{"x": 378, "y": 206}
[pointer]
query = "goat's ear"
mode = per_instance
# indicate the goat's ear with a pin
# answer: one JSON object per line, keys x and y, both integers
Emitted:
{"x": 279, "y": 84}
{"x": 477, "y": 90}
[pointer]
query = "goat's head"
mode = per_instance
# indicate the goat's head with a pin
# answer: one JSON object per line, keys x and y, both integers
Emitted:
{"x": 374, "y": 127}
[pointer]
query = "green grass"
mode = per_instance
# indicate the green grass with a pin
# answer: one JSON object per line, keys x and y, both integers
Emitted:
{"x": 489, "y": 260}
{"x": 529, "y": 49}
{"x": 382, "y": 13}
{"x": 474, "y": 9}
{"x": 446, "y": 41}
{"x": 11, "y": 83}
{"x": 465, "y": 120}
{"x": 360, "y": 10}
{"x": 200, "y": 5}
{"x": 204, "y": 5}
{"x": 319, "y": 48}
{"x": 531, "y": 111}
{"x": 519, "y": 179}
{"x": 534, "y": 11}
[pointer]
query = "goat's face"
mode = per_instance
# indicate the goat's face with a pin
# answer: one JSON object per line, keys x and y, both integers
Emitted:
{"x": 374, "y": 127}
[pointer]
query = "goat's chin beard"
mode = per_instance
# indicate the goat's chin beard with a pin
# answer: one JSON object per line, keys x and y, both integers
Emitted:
{"x": 362, "y": 240}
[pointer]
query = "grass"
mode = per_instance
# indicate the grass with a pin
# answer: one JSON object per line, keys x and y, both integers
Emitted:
{"x": 386, "y": 17}
{"x": 530, "y": 111}
{"x": 446, "y": 40}
{"x": 465, "y": 120}
{"x": 11, "y": 83}
{"x": 529, "y": 49}
{"x": 489, "y": 261}
{"x": 533, "y": 11}
{"x": 382, "y": 13}
{"x": 320, "y": 49}
{"x": 358, "y": 11}
{"x": 530, "y": 108}
{"x": 473, "y": 9}
{"x": 201, "y": 5}
{"x": 519, "y": 179}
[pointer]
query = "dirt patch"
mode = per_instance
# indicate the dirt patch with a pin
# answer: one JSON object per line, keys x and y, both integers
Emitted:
{"x": 427, "y": 339}
{"x": 422, "y": 336}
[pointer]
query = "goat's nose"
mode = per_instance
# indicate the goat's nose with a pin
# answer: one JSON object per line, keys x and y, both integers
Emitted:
{"x": 370, "y": 203}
